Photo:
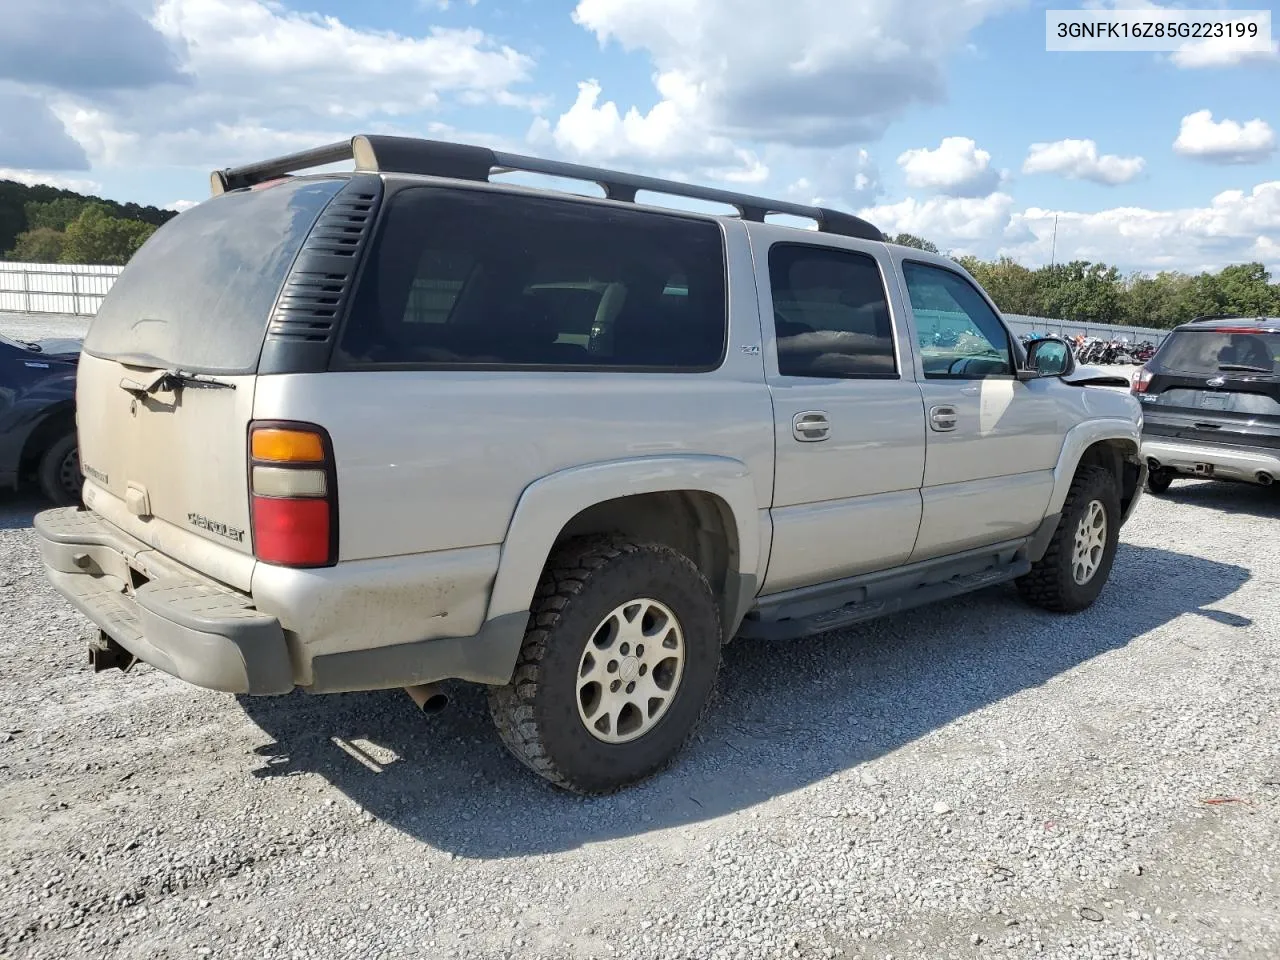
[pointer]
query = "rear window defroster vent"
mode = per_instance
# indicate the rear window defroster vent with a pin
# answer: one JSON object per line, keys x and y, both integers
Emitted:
{"x": 316, "y": 291}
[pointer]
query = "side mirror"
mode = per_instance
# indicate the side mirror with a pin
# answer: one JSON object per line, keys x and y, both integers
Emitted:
{"x": 1050, "y": 357}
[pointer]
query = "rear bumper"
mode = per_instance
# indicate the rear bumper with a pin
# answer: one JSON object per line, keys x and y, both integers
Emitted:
{"x": 1227, "y": 462}
{"x": 210, "y": 635}
{"x": 188, "y": 627}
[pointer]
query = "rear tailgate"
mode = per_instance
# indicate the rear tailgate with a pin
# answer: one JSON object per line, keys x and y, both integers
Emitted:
{"x": 1217, "y": 385}
{"x": 166, "y": 383}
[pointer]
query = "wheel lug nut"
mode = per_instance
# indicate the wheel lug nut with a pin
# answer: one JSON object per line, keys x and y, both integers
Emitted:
{"x": 631, "y": 687}
{"x": 613, "y": 687}
{"x": 625, "y": 649}
{"x": 613, "y": 666}
{"x": 644, "y": 668}
{"x": 640, "y": 650}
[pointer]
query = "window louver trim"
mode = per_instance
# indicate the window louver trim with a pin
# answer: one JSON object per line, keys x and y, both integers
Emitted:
{"x": 319, "y": 285}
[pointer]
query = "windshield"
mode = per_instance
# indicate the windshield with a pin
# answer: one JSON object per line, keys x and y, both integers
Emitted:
{"x": 1209, "y": 353}
{"x": 198, "y": 295}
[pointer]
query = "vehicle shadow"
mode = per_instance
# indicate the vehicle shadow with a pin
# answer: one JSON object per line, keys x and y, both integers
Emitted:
{"x": 18, "y": 511}
{"x": 787, "y": 716}
{"x": 1245, "y": 498}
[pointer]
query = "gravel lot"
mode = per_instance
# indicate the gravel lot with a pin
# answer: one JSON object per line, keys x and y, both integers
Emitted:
{"x": 975, "y": 779}
{"x": 31, "y": 326}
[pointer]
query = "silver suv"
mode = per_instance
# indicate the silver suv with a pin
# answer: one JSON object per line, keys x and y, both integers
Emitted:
{"x": 408, "y": 424}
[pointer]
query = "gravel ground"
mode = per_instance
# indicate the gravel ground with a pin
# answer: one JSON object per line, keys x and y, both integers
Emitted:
{"x": 971, "y": 780}
{"x": 34, "y": 326}
{"x": 975, "y": 779}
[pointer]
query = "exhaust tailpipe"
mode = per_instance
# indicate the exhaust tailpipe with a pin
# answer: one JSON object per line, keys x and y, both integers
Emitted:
{"x": 1265, "y": 478}
{"x": 429, "y": 697}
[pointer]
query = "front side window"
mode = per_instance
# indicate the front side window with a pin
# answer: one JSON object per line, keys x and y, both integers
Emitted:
{"x": 478, "y": 278}
{"x": 960, "y": 335}
{"x": 830, "y": 313}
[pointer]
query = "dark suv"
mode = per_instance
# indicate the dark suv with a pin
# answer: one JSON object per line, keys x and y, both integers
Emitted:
{"x": 1211, "y": 403}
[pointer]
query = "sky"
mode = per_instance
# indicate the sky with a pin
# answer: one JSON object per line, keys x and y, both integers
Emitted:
{"x": 943, "y": 118}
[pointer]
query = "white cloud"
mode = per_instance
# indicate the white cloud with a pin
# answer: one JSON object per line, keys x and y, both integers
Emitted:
{"x": 1235, "y": 226}
{"x": 843, "y": 178}
{"x": 962, "y": 225}
{"x": 1226, "y": 141}
{"x": 1080, "y": 160}
{"x": 259, "y": 79}
{"x": 182, "y": 206}
{"x": 321, "y": 65}
{"x": 804, "y": 72}
{"x": 670, "y": 135}
{"x": 52, "y": 180}
{"x": 1226, "y": 51}
{"x": 957, "y": 168}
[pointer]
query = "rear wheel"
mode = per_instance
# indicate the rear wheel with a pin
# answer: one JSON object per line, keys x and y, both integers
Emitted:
{"x": 617, "y": 668}
{"x": 59, "y": 472}
{"x": 1075, "y": 568}
{"x": 1159, "y": 481}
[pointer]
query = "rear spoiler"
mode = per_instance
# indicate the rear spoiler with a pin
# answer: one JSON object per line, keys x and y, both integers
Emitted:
{"x": 438, "y": 158}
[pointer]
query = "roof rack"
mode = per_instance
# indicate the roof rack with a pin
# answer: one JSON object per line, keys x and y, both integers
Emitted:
{"x": 438, "y": 158}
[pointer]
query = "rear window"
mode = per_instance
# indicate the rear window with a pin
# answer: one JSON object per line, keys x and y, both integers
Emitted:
{"x": 199, "y": 293}
{"x": 473, "y": 278}
{"x": 1207, "y": 353}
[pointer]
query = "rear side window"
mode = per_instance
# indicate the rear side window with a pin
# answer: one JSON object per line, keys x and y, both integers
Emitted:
{"x": 473, "y": 278}
{"x": 199, "y": 293}
{"x": 1206, "y": 353}
{"x": 830, "y": 313}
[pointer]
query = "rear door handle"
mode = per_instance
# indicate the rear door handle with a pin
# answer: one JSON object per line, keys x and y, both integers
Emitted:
{"x": 943, "y": 418}
{"x": 810, "y": 426}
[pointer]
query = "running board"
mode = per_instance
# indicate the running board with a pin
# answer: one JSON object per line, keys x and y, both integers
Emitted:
{"x": 809, "y": 612}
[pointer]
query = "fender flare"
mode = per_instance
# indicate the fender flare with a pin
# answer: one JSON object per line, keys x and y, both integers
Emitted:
{"x": 548, "y": 504}
{"x": 1079, "y": 439}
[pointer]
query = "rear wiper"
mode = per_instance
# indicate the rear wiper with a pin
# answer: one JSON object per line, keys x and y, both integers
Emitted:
{"x": 1244, "y": 368}
{"x": 173, "y": 380}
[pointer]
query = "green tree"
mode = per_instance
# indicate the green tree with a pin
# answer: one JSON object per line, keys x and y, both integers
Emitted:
{"x": 1246, "y": 289}
{"x": 95, "y": 236}
{"x": 41, "y": 245}
{"x": 1155, "y": 301}
{"x": 911, "y": 240}
{"x": 54, "y": 214}
{"x": 1012, "y": 286}
{"x": 1081, "y": 291}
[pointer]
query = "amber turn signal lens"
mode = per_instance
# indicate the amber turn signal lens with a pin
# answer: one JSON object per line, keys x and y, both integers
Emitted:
{"x": 287, "y": 446}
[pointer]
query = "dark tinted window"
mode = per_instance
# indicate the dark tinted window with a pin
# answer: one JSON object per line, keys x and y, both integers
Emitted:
{"x": 468, "y": 277}
{"x": 960, "y": 335}
{"x": 1210, "y": 352}
{"x": 830, "y": 313}
{"x": 199, "y": 293}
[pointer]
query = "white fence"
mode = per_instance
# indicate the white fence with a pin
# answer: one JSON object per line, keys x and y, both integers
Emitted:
{"x": 65, "y": 288}
{"x": 75, "y": 289}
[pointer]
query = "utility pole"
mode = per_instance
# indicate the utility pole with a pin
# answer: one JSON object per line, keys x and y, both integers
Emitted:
{"x": 1053, "y": 256}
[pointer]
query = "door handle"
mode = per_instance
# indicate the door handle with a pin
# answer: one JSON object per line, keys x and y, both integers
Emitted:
{"x": 810, "y": 426}
{"x": 943, "y": 418}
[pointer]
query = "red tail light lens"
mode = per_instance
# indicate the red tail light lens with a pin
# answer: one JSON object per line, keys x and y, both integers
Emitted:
{"x": 1141, "y": 380}
{"x": 294, "y": 494}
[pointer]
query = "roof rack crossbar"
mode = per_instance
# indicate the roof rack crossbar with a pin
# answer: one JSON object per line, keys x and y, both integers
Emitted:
{"x": 386, "y": 154}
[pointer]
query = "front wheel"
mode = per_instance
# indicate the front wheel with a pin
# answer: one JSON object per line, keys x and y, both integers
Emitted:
{"x": 1075, "y": 568}
{"x": 617, "y": 668}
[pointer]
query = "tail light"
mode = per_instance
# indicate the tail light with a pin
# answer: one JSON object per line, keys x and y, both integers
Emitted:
{"x": 1140, "y": 380}
{"x": 294, "y": 494}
